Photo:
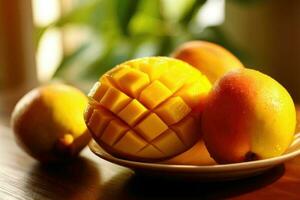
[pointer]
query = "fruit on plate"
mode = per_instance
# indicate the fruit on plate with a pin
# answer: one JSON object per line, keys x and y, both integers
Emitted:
{"x": 48, "y": 122}
{"x": 147, "y": 109}
{"x": 211, "y": 59}
{"x": 248, "y": 116}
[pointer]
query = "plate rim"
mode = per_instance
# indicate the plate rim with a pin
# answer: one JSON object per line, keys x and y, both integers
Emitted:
{"x": 265, "y": 163}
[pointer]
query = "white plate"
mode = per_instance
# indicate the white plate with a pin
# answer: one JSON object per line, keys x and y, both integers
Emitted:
{"x": 202, "y": 173}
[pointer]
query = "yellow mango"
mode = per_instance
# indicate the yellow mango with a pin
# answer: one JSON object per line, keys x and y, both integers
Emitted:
{"x": 113, "y": 131}
{"x": 133, "y": 112}
{"x": 169, "y": 142}
{"x": 98, "y": 121}
{"x": 154, "y": 94}
{"x": 131, "y": 81}
{"x": 114, "y": 100}
{"x": 150, "y": 108}
{"x": 130, "y": 144}
{"x": 173, "y": 110}
{"x": 151, "y": 127}
{"x": 150, "y": 152}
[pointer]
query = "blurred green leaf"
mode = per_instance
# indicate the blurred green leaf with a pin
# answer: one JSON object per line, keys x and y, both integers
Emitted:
{"x": 191, "y": 12}
{"x": 70, "y": 59}
{"x": 124, "y": 29}
{"x": 81, "y": 14}
{"x": 126, "y": 9}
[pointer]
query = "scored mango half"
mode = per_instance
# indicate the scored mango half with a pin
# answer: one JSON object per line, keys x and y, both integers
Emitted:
{"x": 147, "y": 109}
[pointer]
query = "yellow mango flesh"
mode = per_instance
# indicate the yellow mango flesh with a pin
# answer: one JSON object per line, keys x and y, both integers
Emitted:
{"x": 146, "y": 109}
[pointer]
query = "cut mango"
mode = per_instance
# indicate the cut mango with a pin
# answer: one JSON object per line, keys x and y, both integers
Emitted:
{"x": 150, "y": 152}
{"x": 131, "y": 81}
{"x": 153, "y": 72}
{"x": 98, "y": 91}
{"x": 114, "y": 100}
{"x": 98, "y": 121}
{"x": 133, "y": 112}
{"x": 169, "y": 143}
{"x": 151, "y": 127}
{"x": 173, "y": 110}
{"x": 154, "y": 94}
{"x": 147, "y": 109}
{"x": 194, "y": 93}
{"x": 114, "y": 131}
{"x": 187, "y": 130}
{"x": 130, "y": 143}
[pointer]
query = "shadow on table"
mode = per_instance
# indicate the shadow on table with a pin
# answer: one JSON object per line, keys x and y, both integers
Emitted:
{"x": 143, "y": 187}
{"x": 77, "y": 180}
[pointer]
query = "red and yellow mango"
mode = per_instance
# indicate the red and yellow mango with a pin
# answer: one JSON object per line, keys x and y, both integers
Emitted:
{"x": 248, "y": 116}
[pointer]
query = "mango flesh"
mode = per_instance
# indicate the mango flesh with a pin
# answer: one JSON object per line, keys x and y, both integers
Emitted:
{"x": 48, "y": 122}
{"x": 147, "y": 109}
{"x": 248, "y": 116}
{"x": 211, "y": 59}
{"x": 196, "y": 155}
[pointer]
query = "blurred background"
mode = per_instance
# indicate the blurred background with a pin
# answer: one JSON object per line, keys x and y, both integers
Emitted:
{"x": 75, "y": 41}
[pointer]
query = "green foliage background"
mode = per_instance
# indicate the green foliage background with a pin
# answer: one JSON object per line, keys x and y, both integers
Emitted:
{"x": 125, "y": 29}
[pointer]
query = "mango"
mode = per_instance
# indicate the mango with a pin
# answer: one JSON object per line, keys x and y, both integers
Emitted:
{"x": 48, "y": 122}
{"x": 147, "y": 109}
{"x": 211, "y": 59}
{"x": 248, "y": 116}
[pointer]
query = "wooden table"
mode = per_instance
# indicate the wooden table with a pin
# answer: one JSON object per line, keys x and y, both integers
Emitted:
{"x": 89, "y": 177}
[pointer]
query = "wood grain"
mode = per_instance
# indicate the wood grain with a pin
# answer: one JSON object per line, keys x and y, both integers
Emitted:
{"x": 89, "y": 177}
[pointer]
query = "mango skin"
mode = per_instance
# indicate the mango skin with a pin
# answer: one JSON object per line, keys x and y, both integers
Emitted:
{"x": 248, "y": 116}
{"x": 211, "y": 59}
{"x": 48, "y": 123}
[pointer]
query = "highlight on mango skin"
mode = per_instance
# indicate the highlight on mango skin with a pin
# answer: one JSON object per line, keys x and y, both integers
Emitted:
{"x": 147, "y": 109}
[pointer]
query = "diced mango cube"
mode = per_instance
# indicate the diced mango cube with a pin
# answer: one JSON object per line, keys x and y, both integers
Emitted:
{"x": 130, "y": 143}
{"x": 131, "y": 81}
{"x": 150, "y": 152}
{"x": 173, "y": 80}
{"x": 169, "y": 143}
{"x": 114, "y": 100}
{"x": 151, "y": 127}
{"x": 114, "y": 131}
{"x": 193, "y": 92}
{"x": 173, "y": 110}
{"x": 98, "y": 121}
{"x": 154, "y": 94}
{"x": 133, "y": 112}
{"x": 187, "y": 130}
{"x": 107, "y": 80}
{"x": 98, "y": 91}
{"x": 154, "y": 72}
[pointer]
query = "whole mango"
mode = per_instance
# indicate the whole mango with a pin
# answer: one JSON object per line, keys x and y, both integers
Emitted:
{"x": 248, "y": 116}
{"x": 48, "y": 122}
{"x": 211, "y": 59}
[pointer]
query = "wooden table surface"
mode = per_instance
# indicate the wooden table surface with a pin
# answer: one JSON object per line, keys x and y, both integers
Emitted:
{"x": 89, "y": 177}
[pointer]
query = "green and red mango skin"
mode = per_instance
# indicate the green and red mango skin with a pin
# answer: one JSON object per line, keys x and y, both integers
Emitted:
{"x": 235, "y": 114}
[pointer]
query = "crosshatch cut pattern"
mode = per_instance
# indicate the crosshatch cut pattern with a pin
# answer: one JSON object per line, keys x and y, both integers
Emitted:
{"x": 147, "y": 109}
